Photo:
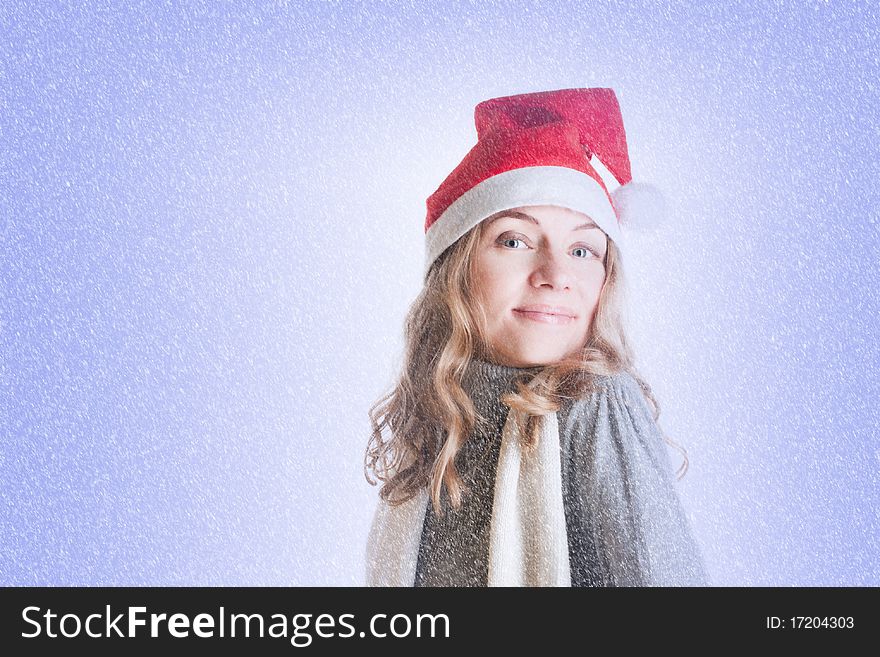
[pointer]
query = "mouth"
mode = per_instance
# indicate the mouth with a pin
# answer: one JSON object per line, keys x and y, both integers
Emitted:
{"x": 545, "y": 314}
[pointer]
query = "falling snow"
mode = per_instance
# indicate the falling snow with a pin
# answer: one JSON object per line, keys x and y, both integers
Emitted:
{"x": 212, "y": 227}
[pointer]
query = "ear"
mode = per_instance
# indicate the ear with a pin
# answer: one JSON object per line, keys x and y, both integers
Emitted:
{"x": 640, "y": 206}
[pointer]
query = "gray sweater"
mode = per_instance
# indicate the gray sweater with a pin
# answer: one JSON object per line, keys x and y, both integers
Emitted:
{"x": 625, "y": 523}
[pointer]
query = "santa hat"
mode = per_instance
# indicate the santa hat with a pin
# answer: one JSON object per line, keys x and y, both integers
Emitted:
{"x": 565, "y": 147}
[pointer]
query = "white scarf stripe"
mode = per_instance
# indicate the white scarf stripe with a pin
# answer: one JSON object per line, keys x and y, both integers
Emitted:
{"x": 528, "y": 537}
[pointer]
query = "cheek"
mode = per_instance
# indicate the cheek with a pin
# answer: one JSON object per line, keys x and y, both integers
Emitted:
{"x": 590, "y": 292}
{"x": 493, "y": 286}
{"x": 594, "y": 289}
{"x": 494, "y": 299}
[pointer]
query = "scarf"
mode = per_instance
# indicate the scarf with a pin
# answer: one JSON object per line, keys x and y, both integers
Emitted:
{"x": 528, "y": 543}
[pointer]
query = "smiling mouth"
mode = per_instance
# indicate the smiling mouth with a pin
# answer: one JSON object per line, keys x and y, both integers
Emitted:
{"x": 542, "y": 317}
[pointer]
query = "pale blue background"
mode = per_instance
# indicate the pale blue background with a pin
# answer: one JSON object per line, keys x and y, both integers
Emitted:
{"x": 212, "y": 223}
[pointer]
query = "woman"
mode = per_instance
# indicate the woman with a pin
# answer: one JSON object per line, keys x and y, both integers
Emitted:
{"x": 520, "y": 447}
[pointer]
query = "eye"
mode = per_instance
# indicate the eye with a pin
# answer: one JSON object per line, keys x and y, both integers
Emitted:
{"x": 587, "y": 251}
{"x": 507, "y": 239}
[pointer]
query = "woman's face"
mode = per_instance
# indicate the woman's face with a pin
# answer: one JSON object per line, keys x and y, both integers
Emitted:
{"x": 538, "y": 271}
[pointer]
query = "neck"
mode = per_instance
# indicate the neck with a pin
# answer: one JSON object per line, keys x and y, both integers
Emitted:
{"x": 497, "y": 371}
{"x": 485, "y": 382}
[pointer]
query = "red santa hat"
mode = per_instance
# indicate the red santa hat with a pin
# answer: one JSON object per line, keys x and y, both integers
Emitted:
{"x": 565, "y": 147}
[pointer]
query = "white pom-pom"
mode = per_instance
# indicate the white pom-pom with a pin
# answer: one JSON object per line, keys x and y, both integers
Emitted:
{"x": 640, "y": 206}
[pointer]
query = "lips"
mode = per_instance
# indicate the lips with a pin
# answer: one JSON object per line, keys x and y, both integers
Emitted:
{"x": 545, "y": 314}
{"x": 561, "y": 311}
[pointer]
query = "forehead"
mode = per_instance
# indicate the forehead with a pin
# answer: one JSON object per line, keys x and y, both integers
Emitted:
{"x": 545, "y": 216}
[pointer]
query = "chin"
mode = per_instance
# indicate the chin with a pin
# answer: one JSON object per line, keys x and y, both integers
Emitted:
{"x": 535, "y": 359}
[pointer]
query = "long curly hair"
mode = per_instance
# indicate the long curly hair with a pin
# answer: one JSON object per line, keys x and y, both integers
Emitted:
{"x": 421, "y": 424}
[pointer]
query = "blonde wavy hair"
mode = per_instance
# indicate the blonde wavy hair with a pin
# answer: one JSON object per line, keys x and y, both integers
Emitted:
{"x": 421, "y": 424}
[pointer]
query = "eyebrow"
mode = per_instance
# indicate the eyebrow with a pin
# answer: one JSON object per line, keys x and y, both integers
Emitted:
{"x": 515, "y": 214}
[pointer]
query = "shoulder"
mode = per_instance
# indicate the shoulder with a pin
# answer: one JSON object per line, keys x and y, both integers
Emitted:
{"x": 615, "y": 418}
{"x": 620, "y": 382}
{"x": 615, "y": 403}
{"x": 608, "y": 389}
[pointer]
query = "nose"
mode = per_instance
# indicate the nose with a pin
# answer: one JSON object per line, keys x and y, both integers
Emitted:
{"x": 551, "y": 269}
